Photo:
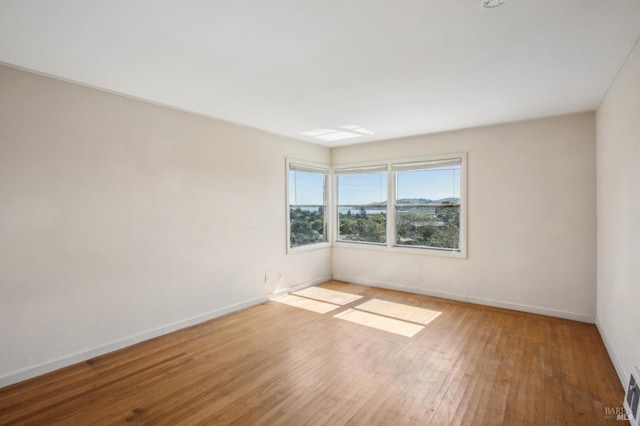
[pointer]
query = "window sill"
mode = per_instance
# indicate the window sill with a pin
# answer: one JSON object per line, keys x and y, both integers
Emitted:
{"x": 308, "y": 247}
{"x": 402, "y": 250}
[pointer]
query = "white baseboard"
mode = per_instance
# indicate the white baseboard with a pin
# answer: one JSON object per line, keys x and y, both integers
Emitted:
{"x": 66, "y": 361}
{"x": 622, "y": 374}
{"x": 48, "y": 367}
{"x": 300, "y": 286}
{"x": 471, "y": 299}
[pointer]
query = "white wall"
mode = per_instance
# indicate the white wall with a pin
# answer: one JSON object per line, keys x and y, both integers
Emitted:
{"x": 618, "y": 153}
{"x": 121, "y": 220}
{"x": 531, "y": 219}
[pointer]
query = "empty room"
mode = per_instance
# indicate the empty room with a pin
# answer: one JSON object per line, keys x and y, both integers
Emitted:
{"x": 319, "y": 212}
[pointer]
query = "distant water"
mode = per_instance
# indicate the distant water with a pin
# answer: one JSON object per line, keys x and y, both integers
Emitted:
{"x": 356, "y": 210}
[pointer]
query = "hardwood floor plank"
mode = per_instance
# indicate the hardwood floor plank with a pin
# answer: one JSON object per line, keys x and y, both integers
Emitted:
{"x": 276, "y": 364}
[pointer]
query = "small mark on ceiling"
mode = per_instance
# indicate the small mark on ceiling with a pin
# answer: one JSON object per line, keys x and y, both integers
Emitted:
{"x": 489, "y": 4}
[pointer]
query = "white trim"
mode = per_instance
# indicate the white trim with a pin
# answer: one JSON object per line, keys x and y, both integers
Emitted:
{"x": 307, "y": 247}
{"x": 375, "y": 167}
{"x": 623, "y": 376}
{"x": 319, "y": 168}
{"x": 361, "y": 245}
{"x": 66, "y": 361}
{"x": 417, "y": 251}
{"x": 452, "y": 254}
{"x": 423, "y": 165}
{"x": 335, "y": 220}
{"x": 391, "y": 210}
{"x": 464, "y": 206}
{"x": 477, "y": 300}
{"x": 390, "y": 246}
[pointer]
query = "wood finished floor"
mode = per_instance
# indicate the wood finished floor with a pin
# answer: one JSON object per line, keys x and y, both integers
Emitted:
{"x": 277, "y": 364}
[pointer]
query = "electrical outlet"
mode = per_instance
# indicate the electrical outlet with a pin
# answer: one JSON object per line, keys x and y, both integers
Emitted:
{"x": 281, "y": 277}
{"x": 631, "y": 397}
{"x": 266, "y": 278}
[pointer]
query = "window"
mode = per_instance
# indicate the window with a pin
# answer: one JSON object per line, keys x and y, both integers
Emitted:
{"x": 412, "y": 206}
{"x": 307, "y": 202}
{"x": 427, "y": 204}
{"x": 362, "y": 205}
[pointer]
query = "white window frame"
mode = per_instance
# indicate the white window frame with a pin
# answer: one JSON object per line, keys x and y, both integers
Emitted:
{"x": 313, "y": 167}
{"x": 370, "y": 168}
{"x": 390, "y": 246}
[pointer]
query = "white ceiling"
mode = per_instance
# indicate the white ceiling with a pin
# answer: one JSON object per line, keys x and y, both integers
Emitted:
{"x": 397, "y": 68}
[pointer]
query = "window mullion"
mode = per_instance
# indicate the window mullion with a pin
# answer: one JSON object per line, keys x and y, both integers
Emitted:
{"x": 391, "y": 207}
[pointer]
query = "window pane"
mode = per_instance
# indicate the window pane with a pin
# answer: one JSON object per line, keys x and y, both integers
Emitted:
{"x": 306, "y": 188}
{"x": 428, "y": 205}
{"x": 362, "y": 223}
{"x": 428, "y": 226}
{"x": 431, "y": 184}
{"x": 362, "y": 207}
{"x": 362, "y": 189}
{"x": 308, "y": 225}
{"x": 307, "y": 205}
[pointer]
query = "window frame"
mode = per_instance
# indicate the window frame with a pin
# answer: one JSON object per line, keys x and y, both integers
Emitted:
{"x": 423, "y": 165}
{"x": 361, "y": 170}
{"x": 390, "y": 245}
{"x": 312, "y": 167}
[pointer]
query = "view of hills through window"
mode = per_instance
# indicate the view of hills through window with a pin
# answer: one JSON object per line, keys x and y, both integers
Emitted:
{"x": 307, "y": 206}
{"x": 425, "y": 203}
{"x": 362, "y": 205}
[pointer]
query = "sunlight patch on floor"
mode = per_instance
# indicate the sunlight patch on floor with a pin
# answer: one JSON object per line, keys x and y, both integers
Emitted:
{"x": 379, "y": 322}
{"x": 327, "y": 295}
{"x": 397, "y": 318}
{"x": 304, "y": 303}
{"x": 399, "y": 311}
